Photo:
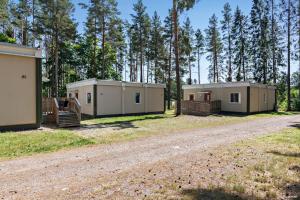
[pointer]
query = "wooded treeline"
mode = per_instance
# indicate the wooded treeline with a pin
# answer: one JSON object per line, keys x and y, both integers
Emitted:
{"x": 258, "y": 46}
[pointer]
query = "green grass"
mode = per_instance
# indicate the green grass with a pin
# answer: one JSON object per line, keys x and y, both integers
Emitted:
{"x": 122, "y": 119}
{"x": 116, "y": 129}
{"x": 28, "y": 143}
{"x": 274, "y": 168}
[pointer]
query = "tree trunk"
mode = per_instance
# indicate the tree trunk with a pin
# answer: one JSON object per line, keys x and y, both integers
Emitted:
{"x": 190, "y": 70}
{"x": 103, "y": 47}
{"x": 178, "y": 79}
{"x": 229, "y": 56}
{"x": 170, "y": 68}
{"x": 56, "y": 64}
{"x": 289, "y": 58}
{"x": 199, "y": 73}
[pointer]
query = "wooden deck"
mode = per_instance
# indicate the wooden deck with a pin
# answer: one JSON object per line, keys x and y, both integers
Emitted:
{"x": 200, "y": 107}
{"x": 56, "y": 111}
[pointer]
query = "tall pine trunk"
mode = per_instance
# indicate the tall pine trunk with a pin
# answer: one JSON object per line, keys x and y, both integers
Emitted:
{"x": 199, "y": 73}
{"x": 289, "y": 58}
{"x": 170, "y": 68}
{"x": 273, "y": 51}
{"x": 103, "y": 47}
{"x": 178, "y": 79}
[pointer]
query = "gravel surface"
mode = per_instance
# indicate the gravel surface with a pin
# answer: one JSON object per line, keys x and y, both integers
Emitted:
{"x": 60, "y": 175}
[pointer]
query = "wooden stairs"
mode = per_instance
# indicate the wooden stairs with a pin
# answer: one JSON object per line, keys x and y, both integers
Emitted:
{"x": 54, "y": 111}
{"x": 68, "y": 119}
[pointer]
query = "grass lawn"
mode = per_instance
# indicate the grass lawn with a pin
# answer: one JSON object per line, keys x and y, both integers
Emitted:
{"x": 264, "y": 168}
{"x": 117, "y": 129}
{"x": 110, "y": 130}
{"x": 28, "y": 143}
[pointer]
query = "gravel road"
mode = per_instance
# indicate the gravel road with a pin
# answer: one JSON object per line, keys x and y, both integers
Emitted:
{"x": 60, "y": 174}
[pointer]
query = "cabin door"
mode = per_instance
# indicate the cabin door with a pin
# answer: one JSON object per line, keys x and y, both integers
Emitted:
{"x": 207, "y": 97}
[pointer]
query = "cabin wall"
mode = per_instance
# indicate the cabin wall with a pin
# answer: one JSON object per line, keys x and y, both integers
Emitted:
{"x": 18, "y": 90}
{"x": 86, "y": 108}
{"x": 222, "y": 94}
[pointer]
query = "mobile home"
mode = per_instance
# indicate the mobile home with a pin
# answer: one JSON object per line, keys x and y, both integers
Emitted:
{"x": 20, "y": 87}
{"x": 238, "y": 97}
{"x": 100, "y": 98}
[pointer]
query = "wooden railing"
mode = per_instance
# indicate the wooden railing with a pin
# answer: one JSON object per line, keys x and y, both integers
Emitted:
{"x": 75, "y": 107}
{"x": 51, "y": 108}
{"x": 200, "y": 107}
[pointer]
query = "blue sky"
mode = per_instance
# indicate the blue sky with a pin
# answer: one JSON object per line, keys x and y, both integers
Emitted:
{"x": 199, "y": 16}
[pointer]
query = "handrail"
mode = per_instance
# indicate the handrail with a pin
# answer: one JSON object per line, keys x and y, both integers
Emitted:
{"x": 77, "y": 108}
{"x": 56, "y": 110}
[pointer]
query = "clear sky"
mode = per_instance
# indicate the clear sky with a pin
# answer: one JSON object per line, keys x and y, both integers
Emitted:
{"x": 199, "y": 16}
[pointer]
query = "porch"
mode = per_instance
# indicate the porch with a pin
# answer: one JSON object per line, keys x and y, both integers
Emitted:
{"x": 64, "y": 112}
{"x": 200, "y": 107}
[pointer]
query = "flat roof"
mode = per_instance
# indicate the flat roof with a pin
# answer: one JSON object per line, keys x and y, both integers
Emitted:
{"x": 94, "y": 81}
{"x": 19, "y": 50}
{"x": 227, "y": 85}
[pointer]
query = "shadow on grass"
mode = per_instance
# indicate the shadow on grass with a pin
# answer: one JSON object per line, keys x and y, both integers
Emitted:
{"x": 290, "y": 154}
{"x": 120, "y": 124}
{"x": 208, "y": 194}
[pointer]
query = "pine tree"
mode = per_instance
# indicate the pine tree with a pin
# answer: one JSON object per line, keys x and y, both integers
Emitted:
{"x": 260, "y": 40}
{"x": 55, "y": 22}
{"x": 22, "y": 13}
{"x": 227, "y": 38}
{"x": 157, "y": 48}
{"x": 214, "y": 48}
{"x": 104, "y": 27}
{"x": 168, "y": 37}
{"x": 186, "y": 47}
{"x": 200, "y": 44}
{"x": 139, "y": 20}
{"x": 179, "y": 6}
{"x": 240, "y": 45}
{"x": 286, "y": 18}
{"x": 4, "y": 15}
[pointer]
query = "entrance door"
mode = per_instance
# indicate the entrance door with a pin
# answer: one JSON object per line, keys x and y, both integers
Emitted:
{"x": 191, "y": 97}
{"x": 207, "y": 97}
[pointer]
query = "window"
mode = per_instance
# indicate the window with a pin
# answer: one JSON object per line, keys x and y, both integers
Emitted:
{"x": 89, "y": 98}
{"x": 70, "y": 95}
{"x": 138, "y": 98}
{"x": 235, "y": 98}
{"x": 265, "y": 98}
{"x": 191, "y": 97}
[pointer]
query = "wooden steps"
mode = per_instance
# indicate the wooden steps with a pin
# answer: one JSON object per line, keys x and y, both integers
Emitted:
{"x": 68, "y": 119}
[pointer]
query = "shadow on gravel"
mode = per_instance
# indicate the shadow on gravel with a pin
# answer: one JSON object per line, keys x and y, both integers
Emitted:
{"x": 207, "y": 194}
{"x": 290, "y": 154}
{"x": 292, "y": 191}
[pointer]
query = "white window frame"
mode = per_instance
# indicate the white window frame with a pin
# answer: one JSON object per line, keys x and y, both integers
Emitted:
{"x": 240, "y": 98}
{"x": 87, "y": 102}
{"x": 140, "y": 97}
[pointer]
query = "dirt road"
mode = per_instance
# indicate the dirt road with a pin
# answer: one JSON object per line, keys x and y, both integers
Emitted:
{"x": 62, "y": 174}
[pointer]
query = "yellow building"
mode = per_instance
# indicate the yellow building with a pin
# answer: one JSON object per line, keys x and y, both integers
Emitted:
{"x": 110, "y": 98}
{"x": 20, "y": 87}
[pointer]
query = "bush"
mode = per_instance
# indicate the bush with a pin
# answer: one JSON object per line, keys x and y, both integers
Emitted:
{"x": 5, "y": 38}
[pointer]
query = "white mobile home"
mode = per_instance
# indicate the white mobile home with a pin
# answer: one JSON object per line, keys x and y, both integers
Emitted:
{"x": 108, "y": 98}
{"x": 20, "y": 87}
{"x": 238, "y": 97}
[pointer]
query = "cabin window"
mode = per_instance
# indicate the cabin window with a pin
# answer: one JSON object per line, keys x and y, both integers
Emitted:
{"x": 191, "y": 97}
{"x": 235, "y": 98}
{"x": 138, "y": 98}
{"x": 265, "y": 98}
{"x": 70, "y": 95}
{"x": 89, "y": 98}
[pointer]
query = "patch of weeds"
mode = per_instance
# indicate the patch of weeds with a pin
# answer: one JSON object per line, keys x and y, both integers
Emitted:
{"x": 238, "y": 188}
